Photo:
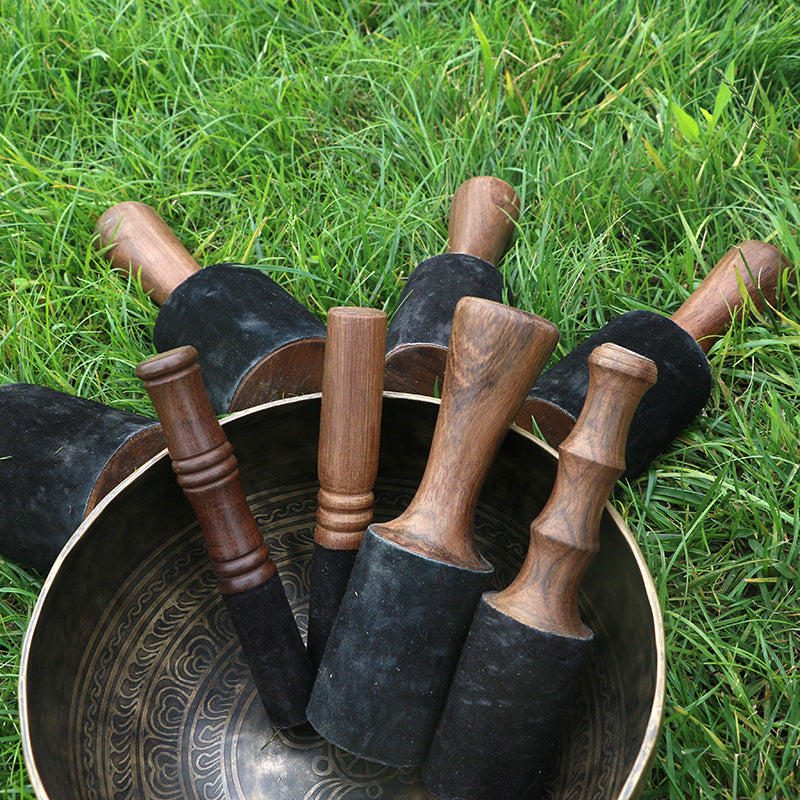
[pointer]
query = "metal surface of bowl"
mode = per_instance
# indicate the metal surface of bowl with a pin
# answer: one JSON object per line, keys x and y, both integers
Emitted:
{"x": 132, "y": 683}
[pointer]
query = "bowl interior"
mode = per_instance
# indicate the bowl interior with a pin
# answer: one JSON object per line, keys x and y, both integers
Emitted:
{"x": 133, "y": 686}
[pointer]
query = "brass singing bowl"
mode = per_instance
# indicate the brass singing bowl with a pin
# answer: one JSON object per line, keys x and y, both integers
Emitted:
{"x": 132, "y": 683}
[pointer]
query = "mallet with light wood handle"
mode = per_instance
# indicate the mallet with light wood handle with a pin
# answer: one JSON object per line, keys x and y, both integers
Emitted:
{"x": 255, "y": 341}
{"x": 247, "y": 576}
{"x": 677, "y": 345}
{"x": 349, "y": 444}
{"x": 483, "y": 212}
{"x": 527, "y": 644}
{"x": 393, "y": 647}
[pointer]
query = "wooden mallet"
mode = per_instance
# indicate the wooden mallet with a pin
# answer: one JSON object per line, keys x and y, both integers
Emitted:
{"x": 255, "y": 342}
{"x": 527, "y": 645}
{"x": 483, "y": 212}
{"x": 247, "y": 576}
{"x": 394, "y": 644}
{"x": 678, "y": 346}
{"x": 349, "y": 445}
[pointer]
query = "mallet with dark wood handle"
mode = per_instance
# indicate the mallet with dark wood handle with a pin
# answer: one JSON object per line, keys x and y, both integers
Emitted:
{"x": 255, "y": 341}
{"x": 247, "y": 576}
{"x": 59, "y": 456}
{"x": 677, "y": 345}
{"x": 483, "y": 212}
{"x": 527, "y": 645}
{"x": 349, "y": 444}
{"x": 390, "y": 655}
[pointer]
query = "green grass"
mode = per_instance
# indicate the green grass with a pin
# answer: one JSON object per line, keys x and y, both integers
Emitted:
{"x": 321, "y": 141}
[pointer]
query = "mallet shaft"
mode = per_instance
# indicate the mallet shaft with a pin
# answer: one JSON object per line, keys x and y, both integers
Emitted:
{"x": 349, "y": 445}
{"x": 247, "y": 576}
{"x": 137, "y": 241}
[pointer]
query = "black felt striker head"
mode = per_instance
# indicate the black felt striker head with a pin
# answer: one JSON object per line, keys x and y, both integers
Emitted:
{"x": 233, "y": 316}
{"x": 54, "y": 449}
{"x": 681, "y": 392}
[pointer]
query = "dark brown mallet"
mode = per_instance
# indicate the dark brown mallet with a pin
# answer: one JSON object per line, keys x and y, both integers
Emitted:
{"x": 677, "y": 345}
{"x": 349, "y": 444}
{"x": 483, "y": 212}
{"x": 256, "y": 343}
{"x": 395, "y": 642}
{"x": 59, "y": 456}
{"x": 246, "y": 575}
{"x": 527, "y": 645}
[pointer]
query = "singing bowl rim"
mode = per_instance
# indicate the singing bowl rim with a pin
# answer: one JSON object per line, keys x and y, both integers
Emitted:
{"x": 639, "y": 772}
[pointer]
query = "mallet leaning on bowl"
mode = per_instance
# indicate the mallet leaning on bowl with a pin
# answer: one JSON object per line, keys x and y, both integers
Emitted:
{"x": 255, "y": 341}
{"x": 678, "y": 346}
{"x": 61, "y": 454}
{"x": 247, "y": 576}
{"x": 349, "y": 446}
{"x": 483, "y": 212}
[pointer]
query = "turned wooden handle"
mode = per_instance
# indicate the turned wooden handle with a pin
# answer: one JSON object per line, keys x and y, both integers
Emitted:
{"x": 564, "y": 537}
{"x": 350, "y": 425}
{"x": 482, "y": 216}
{"x": 711, "y": 308}
{"x": 143, "y": 245}
{"x": 495, "y": 354}
{"x": 203, "y": 460}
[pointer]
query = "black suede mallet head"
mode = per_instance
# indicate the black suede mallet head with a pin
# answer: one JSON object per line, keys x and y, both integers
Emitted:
{"x": 349, "y": 445}
{"x": 527, "y": 645}
{"x": 256, "y": 343}
{"x": 394, "y": 644}
{"x": 483, "y": 212}
{"x": 59, "y": 456}
{"x": 678, "y": 346}
{"x": 247, "y": 576}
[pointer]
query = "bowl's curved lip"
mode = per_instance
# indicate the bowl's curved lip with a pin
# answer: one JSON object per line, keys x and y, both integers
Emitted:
{"x": 637, "y": 777}
{"x": 638, "y": 774}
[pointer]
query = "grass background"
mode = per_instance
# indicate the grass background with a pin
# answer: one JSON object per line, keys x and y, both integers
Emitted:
{"x": 321, "y": 141}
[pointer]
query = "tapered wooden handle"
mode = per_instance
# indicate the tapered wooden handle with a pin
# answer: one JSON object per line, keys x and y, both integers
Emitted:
{"x": 136, "y": 240}
{"x": 564, "y": 537}
{"x": 203, "y": 460}
{"x": 495, "y": 354}
{"x": 482, "y": 216}
{"x": 754, "y": 266}
{"x": 350, "y": 425}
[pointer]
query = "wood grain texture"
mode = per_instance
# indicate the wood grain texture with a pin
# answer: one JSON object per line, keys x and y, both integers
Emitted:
{"x": 553, "y": 423}
{"x": 350, "y": 425}
{"x": 564, "y": 537}
{"x": 292, "y": 370}
{"x": 495, "y": 354}
{"x": 141, "y": 447}
{"x": 483, "y": 212}
{"x": 137, "y": 241}
{"x": 207, "y": 470}
{"x": 750, "y": 269}
{"x": 416, "y": 369}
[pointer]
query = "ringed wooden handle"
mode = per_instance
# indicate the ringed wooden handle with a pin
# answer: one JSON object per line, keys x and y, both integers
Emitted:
{"x": 207, "y": 471}
{"x": 350, "y": 425}
{"x": 564, "y": 537}
{"x": 495, "y": 354}
{"x": 482, "y": 216}
{"x": 711, "y": 308}
{"x": 136, "y": 240}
